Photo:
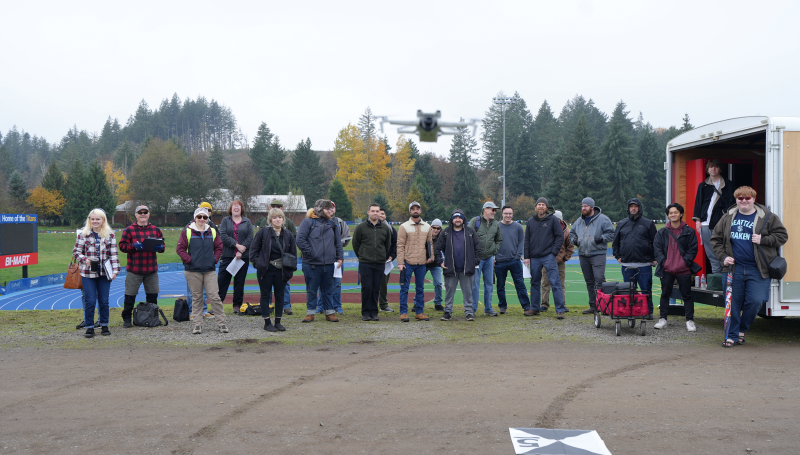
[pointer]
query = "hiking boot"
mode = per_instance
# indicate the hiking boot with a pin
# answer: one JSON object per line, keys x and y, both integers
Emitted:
{"x": 376, "y": 318}
{"x": 308, "y": 318}
{"x": 422, "y": 317}
{"x": 447, "y": 317}
{"x": 490, "y": 313}
{"x": 530, "y": 312}
{"x": 387, "y": 310}
{"x": 288, "y": 311}
{"x": 331, "y": 318}
{"x": 559, "y": 315}
{"x": 89, "y": 333}
{"x": 127, "y": 323}
{"x": 590, "y": 310}
{"x": 280, "y": 327}
{"x": 690, "y": 326}
{"x": 366, "y": 318}
{"x": 470, "y": 317}
{"x": 197, "y": 329}
{"x": 104, "y": 331}
{"x": 661, "y": 324}
{"x": 223, "y": 329}
{"x": 438, "y": 307}
{"x": 403, "y": 317}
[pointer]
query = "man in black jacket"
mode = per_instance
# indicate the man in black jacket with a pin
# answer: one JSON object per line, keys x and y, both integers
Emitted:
{"x": 371, "y": 244}
{"x": 633, "y": 249}
{"x": 458, "y": 252}
{"x": 714, "y": 196}
{"x": 543, "y": 240}
{"x": 383, "y": 300}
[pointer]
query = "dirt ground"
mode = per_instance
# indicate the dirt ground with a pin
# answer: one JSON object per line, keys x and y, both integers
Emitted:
{"x": 368, "y": 398}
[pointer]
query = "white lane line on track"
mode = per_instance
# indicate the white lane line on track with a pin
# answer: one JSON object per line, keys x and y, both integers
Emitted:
{"x": 52, "y": 292}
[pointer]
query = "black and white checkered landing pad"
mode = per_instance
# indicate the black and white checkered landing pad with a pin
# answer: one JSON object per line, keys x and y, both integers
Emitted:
{"x": 543, "y": 441}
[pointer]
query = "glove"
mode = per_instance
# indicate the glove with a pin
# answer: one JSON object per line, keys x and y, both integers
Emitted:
{"x": 138, "y": 246}
{"x": 158, "y": 248}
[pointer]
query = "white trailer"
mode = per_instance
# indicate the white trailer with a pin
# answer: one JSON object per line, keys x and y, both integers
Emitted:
{"x": 761, "y": 152}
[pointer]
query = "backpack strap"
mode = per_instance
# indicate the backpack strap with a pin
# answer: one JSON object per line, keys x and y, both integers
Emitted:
{"x": 189, "y": 236}
{"x": 166, "y": 322}
{"x": 477, "y": 223}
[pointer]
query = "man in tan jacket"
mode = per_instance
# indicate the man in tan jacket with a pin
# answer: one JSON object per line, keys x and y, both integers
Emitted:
{"x": 413, "y": 237}
{"x": 564, "y": 255}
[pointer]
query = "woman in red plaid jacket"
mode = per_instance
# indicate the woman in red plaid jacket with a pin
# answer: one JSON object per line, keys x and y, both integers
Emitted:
{"x": 95, "y": 246}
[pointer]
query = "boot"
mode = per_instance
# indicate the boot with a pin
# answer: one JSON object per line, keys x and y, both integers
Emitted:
{"x": 331, "y": 318}
{"x": 308, "y": 318}
{"x": 268, "y": 326}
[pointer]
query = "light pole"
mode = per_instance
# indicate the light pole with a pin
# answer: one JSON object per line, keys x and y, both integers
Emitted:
{"x": 503, "y": 102}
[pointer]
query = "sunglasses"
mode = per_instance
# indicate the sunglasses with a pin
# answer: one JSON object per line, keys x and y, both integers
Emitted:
{"x": 436, "y": 228}
{"x": 201, "y": 217}
{"x": 143, "y": 212}
{"x": 744, "y": 198}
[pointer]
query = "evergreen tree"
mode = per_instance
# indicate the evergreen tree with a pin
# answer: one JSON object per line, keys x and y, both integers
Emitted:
{"x": 125, "y": 158}
{"x": 575, "y": 172}
{"x": 466, "y": 188}
{"x": 435, "y": 208}
{"x": 76, "y": 193}
{"x": 307, "y": 173}
{"x": 276, "y": 180}
{"x": 7, "y": 166}
{"x": 260, "y": 150}
{"x": 423, "y": 166}
{"x": 381, "y": 200}
{"x": 415, "y": 195}
{"x": 544, "y": 141}
{"x": 620, "y": 167}
{"x": 99, "y": 193}
{"x": 217, "y": 166}
{"x": 687, "y": 125}
{"x": 655, "y": 180}
{"x": 520, "y": 158}
{"x": 53, "y": 179}
{"x": 344, "y": 208}
{"x": 595, "y": 120}
{"x": 17, "y": 188}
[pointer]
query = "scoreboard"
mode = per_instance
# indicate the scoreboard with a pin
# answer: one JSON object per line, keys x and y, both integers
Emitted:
{"x": 19, "y": 240}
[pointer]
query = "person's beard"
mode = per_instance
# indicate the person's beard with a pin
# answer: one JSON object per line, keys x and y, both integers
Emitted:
{"x": 587, "y": 212}
{"x": 415, "y": 215}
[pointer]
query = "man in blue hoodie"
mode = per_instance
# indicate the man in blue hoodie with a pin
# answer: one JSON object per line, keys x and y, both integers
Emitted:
{"x": 591, "y": 234}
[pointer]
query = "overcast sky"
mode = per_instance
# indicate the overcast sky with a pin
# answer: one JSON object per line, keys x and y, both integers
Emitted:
{"x": 309, "y": 68}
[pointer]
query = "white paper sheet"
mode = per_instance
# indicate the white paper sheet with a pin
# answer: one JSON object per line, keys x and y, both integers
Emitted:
{"x": 526, "y": 271}
{"x": 234, "y": 266}
{"x": 387, "y": 269}
{"x": 337, "y": 271}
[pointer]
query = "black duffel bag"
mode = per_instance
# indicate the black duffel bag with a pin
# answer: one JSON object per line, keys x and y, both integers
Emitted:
{"x": 146, "y": 315}
{"x": 609, "y": 287}
{"x": 181, "y": 312}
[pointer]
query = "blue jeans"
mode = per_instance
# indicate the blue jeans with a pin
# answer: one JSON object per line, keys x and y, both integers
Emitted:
{"x": 95, "y": 291}
{"x": 337, "y": 297}
{"x": 750, "y": 291}
{"x": 189, "y": 299}
{"x": 485, "y": 268}
{"x": 318, "y": 278}
{"x": 551, "y": 266}
{"x": 436, "y": 275}
{"x": 644, "y": 280}
{"x": 419, "y": 288}
{"x": 514, "y": 266}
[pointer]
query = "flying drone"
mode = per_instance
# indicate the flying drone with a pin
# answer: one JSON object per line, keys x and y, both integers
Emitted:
{"x": 428, "y": 126}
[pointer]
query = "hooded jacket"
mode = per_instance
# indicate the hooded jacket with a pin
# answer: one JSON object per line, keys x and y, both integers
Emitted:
{"x": 543, "y": 236}
{"x": 444, "y": 248}
{"x": 633, "y": 240}
{"x": 262, "y": 247}
{"x": 229, "y": 241}
{"x": 567, "y": 248}
{"x": 318, "y": 238}
{"x": 687, "y": 241}
{"x": 202, "y": 252}
{"x": 489, "y": 233}
{"x": 703, "y": 198}
{"x": 592, "y": 236}
{"x": 773, "y": 236}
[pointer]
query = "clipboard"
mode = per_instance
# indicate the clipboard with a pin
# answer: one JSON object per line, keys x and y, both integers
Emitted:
{"x": 151, "y": 243}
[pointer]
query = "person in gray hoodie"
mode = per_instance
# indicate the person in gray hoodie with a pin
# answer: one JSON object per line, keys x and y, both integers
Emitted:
{"x": 591, "y": 234}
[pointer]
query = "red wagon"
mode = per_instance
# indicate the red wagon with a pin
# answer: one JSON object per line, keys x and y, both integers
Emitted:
{"x": 621, "y": 301}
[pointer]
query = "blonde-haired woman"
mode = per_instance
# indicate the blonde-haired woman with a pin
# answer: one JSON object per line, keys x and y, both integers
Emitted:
{"x": 266, "y": 253}
{"x": 95, "y": 246}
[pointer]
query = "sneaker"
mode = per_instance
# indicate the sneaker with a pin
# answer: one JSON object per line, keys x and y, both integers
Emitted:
{"x": 331, "y": 318}
{"x": 660, "y": 324}
{"x": 366, "y": 318}
{"x": 236, "y": 309}
{"x": 590, "y": 310}
{"x": 340, "y": 311}
{"x": 89, "y": 333}
{"x": 280, "y": 327}
{"x": 470, "y": 317}
{"x": 422, "y": 317}
{"x": 308, "y": 318}
{"x": 197, "y": 329}
{"x": 80, "y": 326}
{"x": 559, "y": 315}
{"x": 649, "y": 317}
{"x": 438, "y": 307}
{"x": 530, "y": 312}
{"x": 288, "y": 311}
{"x": 447, "y": 316}
{"x": 501, "y": 310}
{"x": 105, "y": 332}
{"x": 387, "y": 310}
{"x": 404, "y": 318}
{"x": 690, "y": 326}
{"x": 209, "y": 315}
{"x": 269, "y": 327}
{"x": 126, "y": 323}
{"x": 223, "y": 329}
{"x": 490, "y": 313}
{"x": 376, "y": 318}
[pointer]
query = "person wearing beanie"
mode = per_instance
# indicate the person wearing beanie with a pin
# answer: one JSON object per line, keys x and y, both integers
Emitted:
{"x": 509, "y": 259}
{"x": 591, "y": 233}
{"x": 544, "y": 238}
{"x": 344, "y": 234}
{"x": 412, "y": 236}
{"x": 488, "y": 230}
{"x": 200, "y": 248}
{"x": 436, "y": 270}
{"x": 564, "y": 255}
{"x": 142, "y": 264}
{"x": 633, "y": 249}
{"x": 319, "y": 240}
{"x": 189, "y": 300}
{"x": 458, "y": 252}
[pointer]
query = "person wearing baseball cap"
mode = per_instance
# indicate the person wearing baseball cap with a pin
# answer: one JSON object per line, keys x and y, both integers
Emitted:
{"x": 412, "y": 236}
{"x": 142, "y": 263}
{"x": 488, "y": 230}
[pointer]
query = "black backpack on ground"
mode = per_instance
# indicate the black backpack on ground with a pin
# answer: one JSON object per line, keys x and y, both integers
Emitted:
{"x": 181, "y": 311}
{"x": 146, "y": 315}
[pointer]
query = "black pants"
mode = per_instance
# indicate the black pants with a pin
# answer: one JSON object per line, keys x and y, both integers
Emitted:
{"x": 371, "y": 279}
{"x": 594, "y": 274}
{"x": 684, "y": 286}
{"x": 224, "y": 280}
{"x": 268, "y": 280}
{"x": 130, "y": 302}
